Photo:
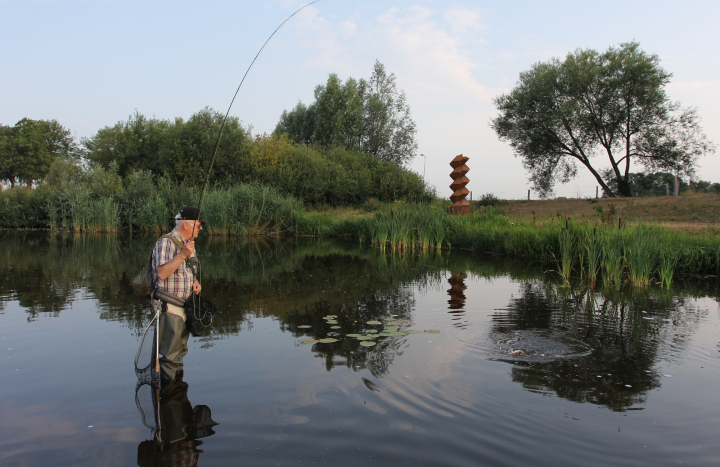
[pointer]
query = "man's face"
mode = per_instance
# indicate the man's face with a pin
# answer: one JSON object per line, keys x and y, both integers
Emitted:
{"x": 193, "y": 229}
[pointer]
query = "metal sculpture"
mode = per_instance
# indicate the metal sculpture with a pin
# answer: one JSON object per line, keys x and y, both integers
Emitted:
{"x": 460, "y": 204}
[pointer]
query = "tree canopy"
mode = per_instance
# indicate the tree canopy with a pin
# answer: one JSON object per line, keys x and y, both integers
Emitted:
{"x": 177, "y": 149}
{"x": 611, "y": 105}
{"x": 29, "y": 148}
{"x": 372, "y": 117}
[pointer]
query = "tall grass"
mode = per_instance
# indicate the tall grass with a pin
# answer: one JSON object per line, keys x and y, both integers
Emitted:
{"x": 597, "y": 254}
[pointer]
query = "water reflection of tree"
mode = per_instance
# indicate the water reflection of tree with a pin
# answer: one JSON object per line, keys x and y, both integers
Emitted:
{"x": 628, "y": 332}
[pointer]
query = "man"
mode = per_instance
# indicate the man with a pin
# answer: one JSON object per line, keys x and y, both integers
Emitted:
{"x": 172, "y": 265}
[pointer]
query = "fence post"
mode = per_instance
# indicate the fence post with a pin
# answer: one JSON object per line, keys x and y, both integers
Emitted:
{"x": 597, "y": 188}
{"x": 528, "y": 195}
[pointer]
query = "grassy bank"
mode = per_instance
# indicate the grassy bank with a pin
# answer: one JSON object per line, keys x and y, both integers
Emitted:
{"x": 587, "y": 250}
{"x": 690, "y": 212}
{"x": 595, "y": 249}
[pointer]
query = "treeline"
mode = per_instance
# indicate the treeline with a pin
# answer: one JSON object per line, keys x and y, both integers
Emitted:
{"x": 663, "y": 183}
{"x": 137, "y": 173}
{"x": 181, "y": 151}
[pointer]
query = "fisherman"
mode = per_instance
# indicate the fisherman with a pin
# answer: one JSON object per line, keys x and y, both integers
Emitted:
{"x": 173, "y": 261}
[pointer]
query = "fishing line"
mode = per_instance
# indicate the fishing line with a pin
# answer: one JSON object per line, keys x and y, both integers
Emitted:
{"x": 222, "y": 127}
{"x": 362, "y": 30}
{"x": 194, "y": 265}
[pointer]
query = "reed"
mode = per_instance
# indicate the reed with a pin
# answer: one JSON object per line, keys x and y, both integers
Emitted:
{"x": 594, "y": 253}
{"x": 612, "y": 259}
{"x": 667, "y": 262}
{"x": 567, "y": 248}
{"x": 641, "y": 254}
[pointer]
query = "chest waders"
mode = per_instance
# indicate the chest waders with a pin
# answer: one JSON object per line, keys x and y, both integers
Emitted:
{"x": 149, "y": 351}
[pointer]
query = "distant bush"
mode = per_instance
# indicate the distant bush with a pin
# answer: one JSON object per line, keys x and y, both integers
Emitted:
{"x": 488, "y": 199}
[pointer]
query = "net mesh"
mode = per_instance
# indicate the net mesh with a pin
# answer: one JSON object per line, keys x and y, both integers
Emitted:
{"x": 146, "y": 355}
{"x": 146, "y": 405}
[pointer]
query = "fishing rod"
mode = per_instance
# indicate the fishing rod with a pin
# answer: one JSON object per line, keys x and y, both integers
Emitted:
{"x": 193, "y": 262}
{"x": 222, "y": 127}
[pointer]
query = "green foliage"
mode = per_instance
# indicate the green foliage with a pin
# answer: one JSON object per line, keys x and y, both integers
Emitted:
{"x": 367, "y": 116}
{"x": 28, "y": 150}
{"x": 179, "y": 150}
{"x": 565, "y": 112}
{"x": 332, "y": 176}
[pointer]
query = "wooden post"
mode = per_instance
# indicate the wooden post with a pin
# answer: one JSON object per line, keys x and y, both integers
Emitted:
{"x": 676, "y": 192}
{"x": 528, "y": 195}
{"x": 597, "y": 189}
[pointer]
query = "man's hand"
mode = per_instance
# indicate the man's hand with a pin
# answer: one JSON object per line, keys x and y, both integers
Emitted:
{"x": 188, "y": 249}
{"x": 196, "y": 287}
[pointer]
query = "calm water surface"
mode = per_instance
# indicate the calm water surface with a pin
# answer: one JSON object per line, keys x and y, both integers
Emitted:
{"x": 522, "y": 372}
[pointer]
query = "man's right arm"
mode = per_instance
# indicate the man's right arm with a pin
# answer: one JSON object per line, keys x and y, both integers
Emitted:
{"x": 166, "y": 270}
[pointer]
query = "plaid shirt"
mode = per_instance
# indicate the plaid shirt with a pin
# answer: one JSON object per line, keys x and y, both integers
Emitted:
{"x": 180, "y": 282}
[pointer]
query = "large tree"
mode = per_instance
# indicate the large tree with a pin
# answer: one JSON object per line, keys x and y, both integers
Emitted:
{"x": 611, "y": 106}
{"x": 28, "y": 149}
{"x": 371, "y": 116}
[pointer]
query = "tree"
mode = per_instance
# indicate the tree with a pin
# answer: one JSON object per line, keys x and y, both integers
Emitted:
{"x": 372, "y": 117}
{"x": 562, "y": 113}
{"x": 29, "y": 148}
{"x": 180, "y": 150}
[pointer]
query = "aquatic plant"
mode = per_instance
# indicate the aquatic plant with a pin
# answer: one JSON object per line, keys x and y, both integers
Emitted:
{"x": 640, "y": 254}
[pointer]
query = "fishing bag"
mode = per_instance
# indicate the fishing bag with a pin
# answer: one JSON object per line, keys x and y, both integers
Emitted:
{"x": 199, "y": 313}
{"x": 144, "y": 281}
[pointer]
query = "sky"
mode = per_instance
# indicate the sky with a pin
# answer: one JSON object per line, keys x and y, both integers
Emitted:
{"x": 92, "y": 63}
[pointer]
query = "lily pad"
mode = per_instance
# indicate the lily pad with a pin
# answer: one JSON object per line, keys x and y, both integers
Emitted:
{"x": 334, "y": 327}
{"x": 365, "y": 338}
{"x": 391, "y": 329}
{"x": 403, "y": 321}
{"x": 330, "y": 317}
{"x": 328, "y": 340}
{"x": 371, "y": 331}
{"x": 332, "y": 322}
{"x": 354, "y": 335}
{"x": 412, "y": 331}
{"x": 384, "y": 334}
{"x": 374, "y": 322}
{"x": 367, "y": 344}
{"x": 432, "y": 331}
{"x": 308, "y": 341}
{"x": 304, "y": 326}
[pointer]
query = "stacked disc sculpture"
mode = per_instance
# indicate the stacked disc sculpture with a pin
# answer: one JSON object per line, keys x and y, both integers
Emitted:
{"x": 460, "y": 204}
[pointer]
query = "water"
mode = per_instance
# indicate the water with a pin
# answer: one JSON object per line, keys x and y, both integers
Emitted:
{"x": 522, "y": 372}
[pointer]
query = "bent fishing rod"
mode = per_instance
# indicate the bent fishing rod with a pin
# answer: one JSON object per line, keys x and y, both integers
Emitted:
{"x": 222, "y": 127}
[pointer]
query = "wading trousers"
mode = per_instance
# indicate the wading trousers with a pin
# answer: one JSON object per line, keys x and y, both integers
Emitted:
{"x": 173, "y": 341}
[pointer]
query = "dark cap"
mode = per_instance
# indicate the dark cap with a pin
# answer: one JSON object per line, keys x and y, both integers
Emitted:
{"x": 189, "y": 213}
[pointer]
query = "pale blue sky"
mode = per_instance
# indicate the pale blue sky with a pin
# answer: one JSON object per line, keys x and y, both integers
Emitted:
{"x": 91, "y": 63}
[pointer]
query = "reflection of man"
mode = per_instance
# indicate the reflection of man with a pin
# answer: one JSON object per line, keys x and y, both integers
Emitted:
{"x": 175, "y": 282}
{"x": 178, "y": 429}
